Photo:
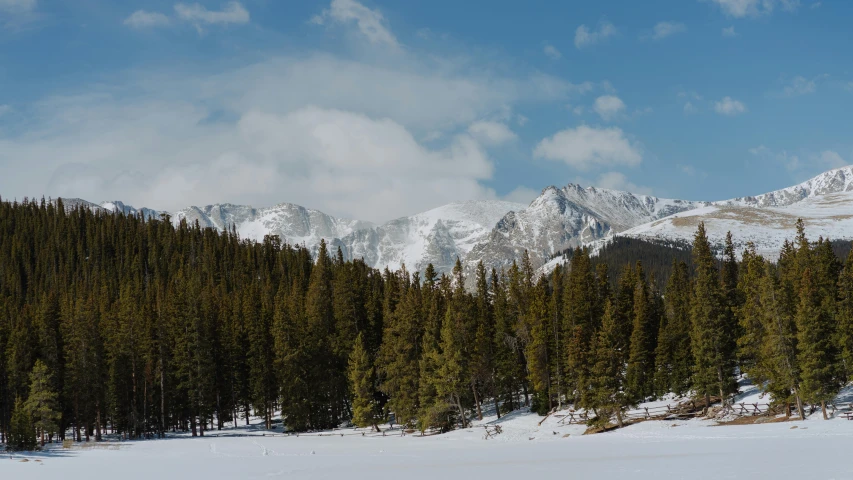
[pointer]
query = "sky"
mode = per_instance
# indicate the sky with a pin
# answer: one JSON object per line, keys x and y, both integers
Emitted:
{"x": 377, "y": 109}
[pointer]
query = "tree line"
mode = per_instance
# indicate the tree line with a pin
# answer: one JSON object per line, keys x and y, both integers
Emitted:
{"x": 116, "y": 324}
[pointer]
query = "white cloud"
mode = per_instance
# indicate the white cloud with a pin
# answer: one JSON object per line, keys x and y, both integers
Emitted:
{"x": 665, "y": 29}
{"x": 618, "y": 181}
{"x": 198, "y": 15}
{"x": 144, "y": 19}
{"x": 491, "y": 133}
{"x": 609, "y": 107}
{"x": 584, "y": 36}
{"x": 552, "y": 52}
{"x": 690, "y": 109}
{"x": 342, "y": 138}
{"x": 754, "y": 8}
{"x": 17, "y": 6}
{"x": 831, "y": 159}
{"x": 370, "y": 23}
{"x": 729, "y": 32}
{"x": 340, "y": 162}
{"x": 687, "y": 169}
{"x": 808, "y": 163}
{"x": 800, "y": 86}
{"x": 584, "y": 147}
{"x": 522, "y": 194}
{"x": 729, "y": 106}
{"x": 789, "y": 161}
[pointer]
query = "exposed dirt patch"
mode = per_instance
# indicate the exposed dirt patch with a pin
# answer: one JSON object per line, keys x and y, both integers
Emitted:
{"x": 753, "y": 420}
{"x": 610, "y": 426}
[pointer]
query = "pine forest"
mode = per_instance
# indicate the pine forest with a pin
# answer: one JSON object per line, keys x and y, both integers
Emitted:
{"x": 111, "y": 324}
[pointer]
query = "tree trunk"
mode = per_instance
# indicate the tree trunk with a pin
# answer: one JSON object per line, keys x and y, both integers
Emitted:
{"x": 461, "y": 411}
{"x": 477, "y": 402}
{"x": 619, "y": 417}
{"x": 98, "y": 424}
{"x": 822, "y": 407}
{"x": 800, "y": 406}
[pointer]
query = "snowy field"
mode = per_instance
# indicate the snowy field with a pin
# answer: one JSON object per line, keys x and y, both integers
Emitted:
{"x": 694, "y": 449}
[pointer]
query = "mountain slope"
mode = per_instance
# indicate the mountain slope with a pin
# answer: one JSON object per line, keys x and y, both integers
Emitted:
{"x": 437, "y": 236}
{"x": 497, "y": 233}
{"x": 825, "y": 203}
{"x": 293, "y": 224}
{"x": 567, "y": 217}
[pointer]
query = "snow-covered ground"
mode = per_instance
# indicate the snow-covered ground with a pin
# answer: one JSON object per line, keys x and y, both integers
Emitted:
{"x": 695, "y": 449}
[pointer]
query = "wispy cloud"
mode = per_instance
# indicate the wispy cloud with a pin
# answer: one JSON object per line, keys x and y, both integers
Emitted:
{"x": 194, "y": 14}
{"x": 144, "y": 19}
{"x": 17, "y": 6}
{"x": 729, "y": 32}
{"x": 618, "y": 181}
{"x": 754, "y": 8}
{"x": 585, "y": 37}
{"x": 665, "y": 29}
{"x": 729, "y": 106}
{"x": 800, "y": 85}
{"x": 552, "y": 52}
{"x": 198, "y": 15}
{"x": 370, "y": 23}
{"x": 806, "y": 162}
{"x": 491, "y": 133}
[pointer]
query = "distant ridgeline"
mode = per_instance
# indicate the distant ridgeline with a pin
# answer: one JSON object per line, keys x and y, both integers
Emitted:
{"x": 122, "y": 324}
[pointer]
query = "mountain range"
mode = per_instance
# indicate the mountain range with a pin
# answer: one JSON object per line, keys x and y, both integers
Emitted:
{"x": 498, "y": 232}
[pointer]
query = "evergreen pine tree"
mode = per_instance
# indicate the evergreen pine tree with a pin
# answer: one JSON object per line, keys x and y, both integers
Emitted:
{"x": 639, "y": 379}
{"x": 580, "y": 320}
{"x": 538, "y": 351}
{"x": 714, "y": 360}
{"x": 22, "y": 433}
{"x": 816, "y": 348}
{"x": 450, "y": 372}
{"x": 750, "y": 316}
{"x": 362, "y": 381}
{"x": 42, "y": 403}
{"x": 845, "y": 316}
{"x": 778, "y": 367}
{"x": 610, "y": 354}
{"x": 673, "y": 354}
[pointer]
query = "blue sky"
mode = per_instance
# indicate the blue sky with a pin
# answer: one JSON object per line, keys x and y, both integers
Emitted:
{"x": 379, "y": 109}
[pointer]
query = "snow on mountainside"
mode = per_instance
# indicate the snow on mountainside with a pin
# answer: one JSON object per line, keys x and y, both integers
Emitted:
{"x": 117, "y": 206}
{"x": 567, "y": 217}
{"x": 294, "y": 224}
{"x": 497, "y": 233}
{"x": 833, "y": 181}
{"x": 828, "y": 216}
{"x": 825, "y": 203}
{"x": 437, "y": 236}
